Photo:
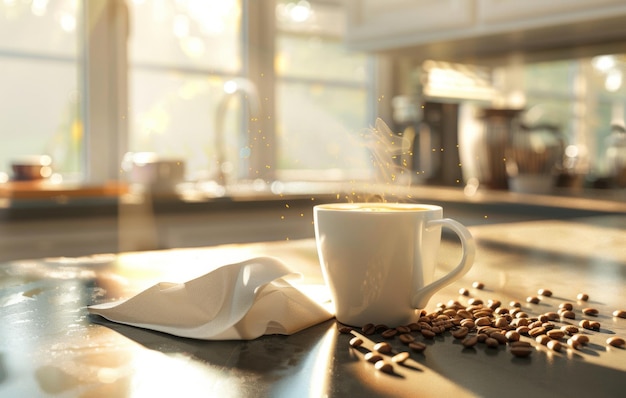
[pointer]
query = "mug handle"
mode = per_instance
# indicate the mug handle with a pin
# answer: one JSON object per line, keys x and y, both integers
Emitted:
{"x": 421, "y": 297}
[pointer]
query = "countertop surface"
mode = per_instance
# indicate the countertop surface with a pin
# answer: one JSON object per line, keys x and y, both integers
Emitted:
{"x": 51, "y": 346}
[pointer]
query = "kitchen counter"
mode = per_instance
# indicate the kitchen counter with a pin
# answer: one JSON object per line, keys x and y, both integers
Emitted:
{"x": 50, "y": 346}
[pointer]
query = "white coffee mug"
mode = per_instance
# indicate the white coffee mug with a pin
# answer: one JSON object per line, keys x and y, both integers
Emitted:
{"x": 379, "y": 259}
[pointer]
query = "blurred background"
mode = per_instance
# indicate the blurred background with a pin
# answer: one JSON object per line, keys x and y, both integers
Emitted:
{"x": 189, "y": 97}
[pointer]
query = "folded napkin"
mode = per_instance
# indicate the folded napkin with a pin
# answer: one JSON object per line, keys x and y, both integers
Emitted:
{"x": 233, "y": 302}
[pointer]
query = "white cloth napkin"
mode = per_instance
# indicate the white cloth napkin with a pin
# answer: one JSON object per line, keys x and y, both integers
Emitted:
{"x": 234, "y": 302}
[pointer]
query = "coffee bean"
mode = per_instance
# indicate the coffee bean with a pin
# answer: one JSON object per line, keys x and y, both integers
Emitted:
{"x": 406, "y": 338}
{"x": 383, "y": 347}
{"x": 501, "y": 323}
{"x": 512, "y": 336}
{"x": 356, "y": 342}
{"x": 552, "y": 316}
{"x": 570, "y": 329}
{"x": 400, "y": 357}
{"x": 389, "y": 333}
{"x": 516, "y": 304}
{"x": 548, "y": 325}
{"x": 581, "y": 338}
{"x": 591, "y": 311}
{"x": 568, "y": 314}
{"x": 554, "y": 345}
{"x": 582, "y": 296}
{"x": 523, "y": 330}
{"x": 417, "y": 346}
{"x": 478, "y": 285}
{"x": 414, "y": 326}
{"x": 491, "y": 342}
{"x": 499, "y": 337}
{"x": 566, "y": 306}
{"x": 619, "y": 313}
{"x": 532, "y": 299}
{"x": 594, "y": 325}
{"x": 460, "y": 333}
{"x": 373, "y": 357}
{"x": 403, "y": 329}
{"x": 536, "y": 331}
{"x": 585, "y": 324}
{"x": 380, "y": 328}
{"x": 468, "y": 323}
{"x": 543, "y": 339}
{"x": 521, "y": 344}
{"x": 384, "y": 366}
{"x": 470, "y": 341}
{"x": 544, "y": 292}
{"x": 428, "y": 334}
{"x": 575, "y": 344}
{"x": 483, "y": 321}
{"x": 481, "y": 337}
{"x": 474, "y": 301}
{"x": 345, "y": 330}
{"x": 556, "y": 334}
{"x": 616, "y": 342}
{"x": 464, "y": 292}
{"x": 368, "y": 329}
{"x": 521, "y": 351}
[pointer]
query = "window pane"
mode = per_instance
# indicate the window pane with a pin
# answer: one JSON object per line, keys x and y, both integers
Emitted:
{"x": 38, "y": 76}
{"x": 319, "y": 127}
{"x": 175, "y": 87}
{"x": 189, "y": 33}
{"x": 318, "y": 58}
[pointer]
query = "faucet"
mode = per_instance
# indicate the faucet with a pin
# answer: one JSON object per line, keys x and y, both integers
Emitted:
{"x": 232, "y": 88}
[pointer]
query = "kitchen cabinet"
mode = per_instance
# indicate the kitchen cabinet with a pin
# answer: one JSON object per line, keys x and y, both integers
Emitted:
{"x": 454, "y": 30}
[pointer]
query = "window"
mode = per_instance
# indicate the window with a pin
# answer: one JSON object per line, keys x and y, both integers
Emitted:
{"x": 88, "y": 81}
{"x": 39, "y": 81}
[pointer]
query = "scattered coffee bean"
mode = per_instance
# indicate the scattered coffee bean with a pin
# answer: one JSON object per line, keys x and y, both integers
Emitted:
{"x": 554, "y": 345}
{"x": 521, "y": 351}
{"x": 373, "y": 357}
{"x": 356, "y": 342}
{"x": 345, "y": 330}
{"x": 474, "y": 301}
{"x": 595, "y": 325}
{"x": 566, "y": 306}
{"x": 460, "y": 333}
{"x": 575, "y": 344}
{"x": 406, "y": 338}
{"x": 383, "y": 347}
{"x": 536, "y": 331}
{"x": 619, "y": 313}
{"x": 569, "y": 329}
{"x": 582, "y": 296}
{"x": 512, "y": 336}
{"x": 368, "y": 329}
{"x": 548, "y": 325}
{"x": 400, "y": 357}
{"x": 521, "y": 344}
{"x": 414, "y": 326}
{"x": 389, "y": 333}
{"x": 483, "y": 321}
{"x": 552, "y": 316}
{"x": 499, "y": 337}
{"x": 470, "y": 341}
{"x": 543, "y": 339}
{"x": 380, "y": 328}
{"x": 403, "y": 329}
{"x": 515, "y": 304}
{"x": 556, "y": 334}
{"x": 616, "y": 342}
{"x": 464, "y": 292}
{"x": 544, "y": 292}
{"x": 581, "y": 338}
{"x": 428, "y": 334}
{"x": 568, "y": 314}
{"x": 491, "y": 342}
{"x": 591, "y": 311}
{"x": 384, "y": 366}
{"x": 478, "y": 285}
{"x": 417, "y": 346}
{"x": 532, "y": 299}
{"x": 523, "y": 330}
